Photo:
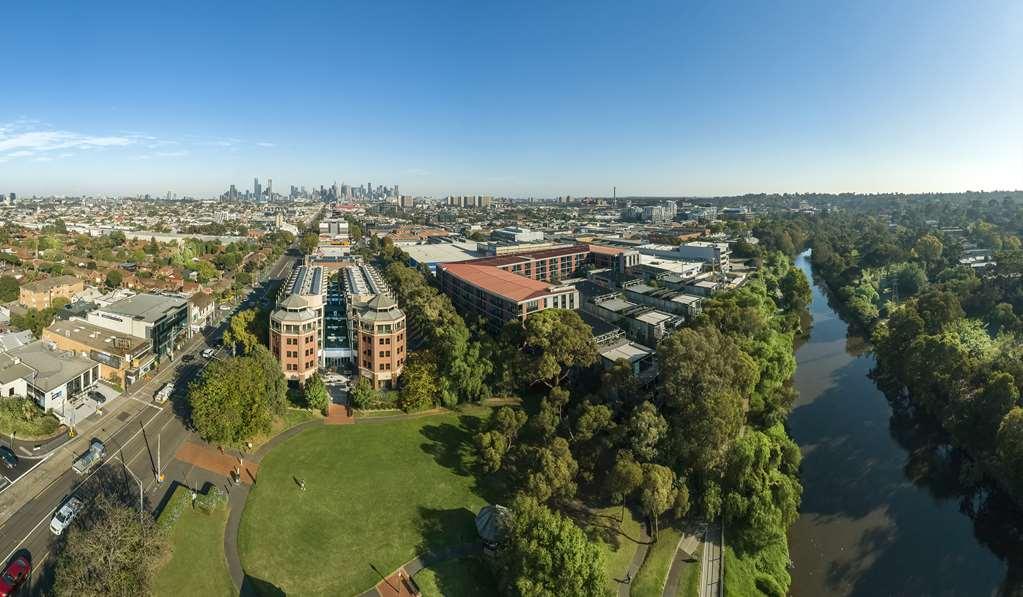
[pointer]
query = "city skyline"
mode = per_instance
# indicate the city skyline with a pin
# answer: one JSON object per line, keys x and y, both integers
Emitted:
{"x": 661, "y": 99}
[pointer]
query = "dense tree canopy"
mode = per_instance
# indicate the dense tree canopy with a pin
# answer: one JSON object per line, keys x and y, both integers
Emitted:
{"x": 238, "y": 398}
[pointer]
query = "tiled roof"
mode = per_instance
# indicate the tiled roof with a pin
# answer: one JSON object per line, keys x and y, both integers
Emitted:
{"x": 497, "y": 281}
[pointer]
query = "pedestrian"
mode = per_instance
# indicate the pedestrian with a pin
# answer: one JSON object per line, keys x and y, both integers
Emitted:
{"x": 301, "y": 484}
{"x": 628, "y": 577}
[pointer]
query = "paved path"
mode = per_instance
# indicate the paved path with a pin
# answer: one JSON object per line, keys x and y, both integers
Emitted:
{"x": 678, "y": 564}
{"x": 625, "y": 588}
{"x": 712, "y": 564}
{"x": 236, "y": 502}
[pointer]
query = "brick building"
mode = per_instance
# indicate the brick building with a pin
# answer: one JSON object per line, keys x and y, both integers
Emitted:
{"x": 40, "y": 294}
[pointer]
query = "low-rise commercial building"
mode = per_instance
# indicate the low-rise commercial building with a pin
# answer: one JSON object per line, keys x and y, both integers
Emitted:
{"x": 56, "y": 380}
{"x": 123, "y": 359}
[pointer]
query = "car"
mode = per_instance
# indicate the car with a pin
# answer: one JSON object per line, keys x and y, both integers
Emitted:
{"x": 66, "y": 515}
{"x": 14, "y": 575}
{"x": 98, "y": 398}
{"x": 188, "y": 358}
{"x": 208, "y": 353}
{"x": 163, "y": 393}
{"x": 8, "y": 457}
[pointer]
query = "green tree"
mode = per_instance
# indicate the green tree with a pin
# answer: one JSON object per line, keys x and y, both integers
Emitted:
{"x": 239, "y": 332}
{"x": 928, "y": 248}
{"x": 316, "y": 396}
{"x": 657, "y": 493}
{"x": 546, "y": 555}
{"x": 237, "y": 398}
{"x": 625, "y": 478}
{"x": 309, "y": 242}
{"x": 110, "y": 552}
{"x": 419, "y": 382}
{"x": 9, "y": 289}
{"x": 645, "y": 431}
{"x": 114, "y": 278}
{"x": 1009, "y": 443}
{"x": 546, "y": 471}
{"x": 363, "y": 394}
{"x": 553, "y": 342}
{"x": 705, "y": 377}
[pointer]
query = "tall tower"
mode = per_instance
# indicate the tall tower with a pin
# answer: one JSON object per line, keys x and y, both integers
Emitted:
{"x": 257, "y": 191}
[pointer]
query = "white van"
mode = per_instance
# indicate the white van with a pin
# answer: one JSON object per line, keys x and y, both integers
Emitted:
{"x": 163, "y": 393}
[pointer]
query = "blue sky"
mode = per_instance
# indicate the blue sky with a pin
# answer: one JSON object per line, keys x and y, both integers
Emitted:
{"x": 520, "y": 99}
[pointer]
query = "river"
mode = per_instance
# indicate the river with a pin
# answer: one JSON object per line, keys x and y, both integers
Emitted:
{"x": 882, "y": 513}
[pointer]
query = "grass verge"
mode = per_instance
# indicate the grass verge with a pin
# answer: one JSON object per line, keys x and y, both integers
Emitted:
{"x": 649, "y": 581}
{"x": 197, "y": 565}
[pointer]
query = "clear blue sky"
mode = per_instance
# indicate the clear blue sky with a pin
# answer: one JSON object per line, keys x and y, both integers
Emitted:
{"x": 513, "y": 98}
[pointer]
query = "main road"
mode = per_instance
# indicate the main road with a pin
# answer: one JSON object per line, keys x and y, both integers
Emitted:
{"x": 141, "y": 438}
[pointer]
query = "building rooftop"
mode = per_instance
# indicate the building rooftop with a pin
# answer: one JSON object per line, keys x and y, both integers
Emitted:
{"x": 616, "y": 304}
{"x": 98, "y": 338}
{"x": 48, "y": 284}
{"x": 497, "y": 281}
{"x": 630, "y": 351}
{"x": 146, "y": 307}
{"x": 653, "y": 317}
{"x": 440, "y": 252}
{"x": 52, "y": 368}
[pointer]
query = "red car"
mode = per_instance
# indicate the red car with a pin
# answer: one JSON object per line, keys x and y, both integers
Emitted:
{"x": 14, "y": 575}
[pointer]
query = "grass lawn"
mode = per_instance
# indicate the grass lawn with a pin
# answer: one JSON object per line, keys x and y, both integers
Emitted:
{"x": 197, "y": 565}
{"x": 466, "y": 577}
{"x": 618, "y": 543}
{"x": 376, "y": 495}
{"x": 649, "y": 581}
{"x": 25, "y": 419}
{"x": 290, "y": 418}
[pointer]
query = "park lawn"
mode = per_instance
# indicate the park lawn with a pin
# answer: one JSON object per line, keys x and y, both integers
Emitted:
{"x": 376, "y": 495}
{"x": 290, "y": 418}
{"x": 649, "y": 581}
{"x": 620, "y": 548}
{"x": 465, "y": 577}
{"x": 197, "y": 565}
{"x": 25, "y": 419}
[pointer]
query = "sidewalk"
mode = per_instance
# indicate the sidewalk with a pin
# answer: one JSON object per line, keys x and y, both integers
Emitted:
{"x": 57, "y": 461}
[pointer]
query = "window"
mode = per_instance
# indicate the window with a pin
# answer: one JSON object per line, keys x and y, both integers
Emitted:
{"x": 381, "y": 342}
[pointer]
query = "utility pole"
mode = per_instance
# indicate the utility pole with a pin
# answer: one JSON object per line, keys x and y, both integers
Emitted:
{"x": 159, "y": 469}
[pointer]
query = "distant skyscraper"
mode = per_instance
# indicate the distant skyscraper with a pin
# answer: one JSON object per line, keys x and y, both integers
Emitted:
{"x": 257, "y": 191}
{"x": 269, "y": 189}
{"x": 369, "y": 190}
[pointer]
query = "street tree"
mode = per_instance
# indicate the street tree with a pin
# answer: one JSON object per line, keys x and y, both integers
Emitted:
{"x": 109, "y": 553}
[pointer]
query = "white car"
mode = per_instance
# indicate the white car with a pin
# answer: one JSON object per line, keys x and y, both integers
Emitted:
{"x": 208, "y": 353}
{"x": 65, "y": 515}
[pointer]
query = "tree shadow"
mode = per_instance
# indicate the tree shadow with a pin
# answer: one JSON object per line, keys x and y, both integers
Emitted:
{"x": 444, "y": 528}
{"x": 452, "y": 447}
{"x": 255, "y": 587}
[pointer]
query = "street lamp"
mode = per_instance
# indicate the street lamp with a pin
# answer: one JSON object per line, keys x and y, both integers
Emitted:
{"x": 125, "y": 465}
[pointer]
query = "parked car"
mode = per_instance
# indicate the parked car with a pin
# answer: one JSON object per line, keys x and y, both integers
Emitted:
{"x": 208, "y": 353}
{"x": 66, "y": 515}
{"x": 14, "y": 575}
{"x": 8, "y": 457}
{"x": 98, "y": 398}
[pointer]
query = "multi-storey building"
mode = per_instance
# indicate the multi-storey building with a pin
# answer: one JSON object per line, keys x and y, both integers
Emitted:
{"x": 161, "y": 319}
{"x": 40, "y": 294}
{"x": 499, "y": 295}
{"x": 297, "y": 324}
{"x": 375, "y": 324}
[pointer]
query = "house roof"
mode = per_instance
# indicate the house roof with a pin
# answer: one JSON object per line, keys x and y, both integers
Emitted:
{"x": 498, "y": 281}
{"x": 146, "y": 307}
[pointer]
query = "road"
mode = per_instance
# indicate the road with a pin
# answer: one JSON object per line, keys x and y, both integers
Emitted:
{"x": 138, "y": 437}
